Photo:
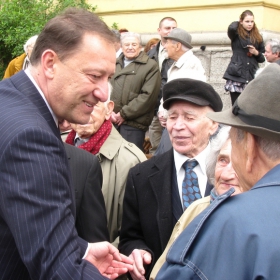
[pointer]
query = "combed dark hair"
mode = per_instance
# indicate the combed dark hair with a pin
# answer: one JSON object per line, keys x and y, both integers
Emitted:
{"x": 255, "y": 35}
{"x": 63, "y": 33}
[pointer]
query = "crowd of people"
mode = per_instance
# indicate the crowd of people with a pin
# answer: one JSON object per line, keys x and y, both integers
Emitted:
{"x": 90, "y": 205}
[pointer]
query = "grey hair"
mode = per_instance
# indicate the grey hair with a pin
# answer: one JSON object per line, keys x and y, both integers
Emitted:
{"x": 270, "y": 148}
{"x": 216, "y": 144}
{"x": 29, "y": 42}
{"x": 183, "y": 47}
{"x": 274, "y": 44}
{"x": 130, "y": 34}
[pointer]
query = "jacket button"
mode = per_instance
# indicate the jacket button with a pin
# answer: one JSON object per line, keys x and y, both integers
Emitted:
{"x": 247, "y": 82}
{"x": 248, "y": 63}
{"x": 130, "y": 144}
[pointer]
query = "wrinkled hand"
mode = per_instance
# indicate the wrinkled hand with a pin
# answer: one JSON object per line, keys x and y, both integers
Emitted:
{"x": 162, "y": 119}
{"x": 117, "y": 118}
{"x": 107, "y": 259}
{"x": 140, "y": 258}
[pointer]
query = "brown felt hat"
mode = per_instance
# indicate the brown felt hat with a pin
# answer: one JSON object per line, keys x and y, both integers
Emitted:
{"x": 193, "y": 91}
{"x": 180, "y": 35}
{"x": 257, "y": 109}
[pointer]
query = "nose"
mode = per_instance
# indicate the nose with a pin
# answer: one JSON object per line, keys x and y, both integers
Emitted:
{"x": 228, "y": 173}
{"x": 101, "y": 91}
{"x": 179, "y": 124}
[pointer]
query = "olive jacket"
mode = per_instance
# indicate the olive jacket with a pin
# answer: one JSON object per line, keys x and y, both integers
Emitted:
{"x": 135, "y": 90}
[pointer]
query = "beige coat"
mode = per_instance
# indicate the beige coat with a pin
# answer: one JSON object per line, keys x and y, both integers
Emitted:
{"x": 116, "y": 157}
{"x": 191, "y": 212}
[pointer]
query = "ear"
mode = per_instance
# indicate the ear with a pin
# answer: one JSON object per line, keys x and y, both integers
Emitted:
{"x": 110, "y": 108}
{"x": 158, "y": 30}
{"x": 213, "y": 127}
{"x": 178, "y": 46}
{"x": 49, "y": 61}
{"x": 251, "y": 151}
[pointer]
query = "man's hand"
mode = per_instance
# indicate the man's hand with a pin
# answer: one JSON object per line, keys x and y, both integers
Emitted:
{"x": 117, "y": 118}
{"x": 140, "y": 258}
{"x": 107, "y": 259}
{"x": 162, "y": 119}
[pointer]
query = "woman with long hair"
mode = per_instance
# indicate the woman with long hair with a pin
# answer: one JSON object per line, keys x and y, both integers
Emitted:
{"x": 248, "y": 48}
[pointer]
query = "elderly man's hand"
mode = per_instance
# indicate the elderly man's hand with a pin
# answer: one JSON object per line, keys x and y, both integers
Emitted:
{"x": 140, "y": 258}
{"x": 108, "y": 260}
{"x": 162, "y": 118}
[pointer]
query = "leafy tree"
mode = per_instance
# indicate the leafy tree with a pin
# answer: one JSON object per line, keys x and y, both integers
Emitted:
{"x": 21, "y": 19}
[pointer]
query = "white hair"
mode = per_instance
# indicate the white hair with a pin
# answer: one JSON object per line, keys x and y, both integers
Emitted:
{"x": 31, "y": 41}
{"x": 216, "y": 145}
{"x": 130, "y": 34}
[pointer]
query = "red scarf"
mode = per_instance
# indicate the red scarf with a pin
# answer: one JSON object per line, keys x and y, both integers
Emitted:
{"x": 96, "y": 141}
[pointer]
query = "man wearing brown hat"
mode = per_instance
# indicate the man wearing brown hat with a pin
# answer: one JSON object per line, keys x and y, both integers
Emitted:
{"x": 239, "y": 237}
{"x": 156, "y": 191}
{"x": 185, "y": 65}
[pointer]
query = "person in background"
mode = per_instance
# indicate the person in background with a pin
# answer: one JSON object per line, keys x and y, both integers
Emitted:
{"x": 155, "y": 195}
{"x": 117, "y": 42}
{"x": 185, "y": 65}
{"x": 272, "y": 50}
{"x": 248, "y": 48}
{"x": 21, "y": 62}
{"x": 135, "y": 87}
{"x": 116, "y": 157}
{"x": 239, "y": 237}
{"x": 123, "y": 30}
{"x": 159, "y": 54}
{"x": 70, "y": 65}
{"x": 151, "y": 44}
{"x": 221, "y": 174}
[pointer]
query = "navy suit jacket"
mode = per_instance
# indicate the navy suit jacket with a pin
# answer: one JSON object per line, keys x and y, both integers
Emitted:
{"x": 38, "y": 239}
{"x": 149, "y": 214}
{"x": 91, "y": 219}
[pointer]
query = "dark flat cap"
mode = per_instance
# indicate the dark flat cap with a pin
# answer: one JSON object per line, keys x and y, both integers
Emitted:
{"x": 256, "y": 110}
{"x": 193, "y": 91}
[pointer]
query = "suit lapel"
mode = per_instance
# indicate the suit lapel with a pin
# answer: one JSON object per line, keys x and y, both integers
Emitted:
{"x": 24, "y": 85}
{"x": 161, "y": 183}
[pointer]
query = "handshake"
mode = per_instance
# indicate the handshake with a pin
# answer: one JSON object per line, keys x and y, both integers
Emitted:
{"x": 107, "y": 259}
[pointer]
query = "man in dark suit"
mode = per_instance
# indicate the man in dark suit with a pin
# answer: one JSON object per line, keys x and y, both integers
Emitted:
{"x": 70, "y": 65}
{"x": 91, "y": 219}
{"x": 154, "y": 199}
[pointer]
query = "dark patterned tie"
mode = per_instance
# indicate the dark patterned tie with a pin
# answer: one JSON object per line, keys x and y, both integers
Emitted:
{"x": 190, "y": 189}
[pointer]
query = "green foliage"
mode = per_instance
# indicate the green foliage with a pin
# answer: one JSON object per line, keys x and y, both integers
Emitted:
{"x": 115, "y": 26}
{"x": 21, "y": 19}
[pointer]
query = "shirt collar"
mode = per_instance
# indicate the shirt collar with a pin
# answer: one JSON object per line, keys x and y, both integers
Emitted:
{"x": 161, "y": 48}
{"x": 201, "y": 158}
{"x": 27, "y": 72}
{"x": 180, "y": 62}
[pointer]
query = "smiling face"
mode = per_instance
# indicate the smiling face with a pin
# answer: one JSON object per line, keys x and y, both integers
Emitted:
{"x": 97, "y": 118}
{"x": 248, "y": 22}
{"x": 131, "y": 47}
{"x": 80, "y": 81}
{"x": 171, "y": 47}
{"x": 270, "y": 57}
{"x": 188, "y": 127}
{"x": 225, "y": 175}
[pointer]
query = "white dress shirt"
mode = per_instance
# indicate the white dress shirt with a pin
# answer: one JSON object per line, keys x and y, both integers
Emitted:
{"x": 162, "y": 55}
{"x": 200, "y": 170}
